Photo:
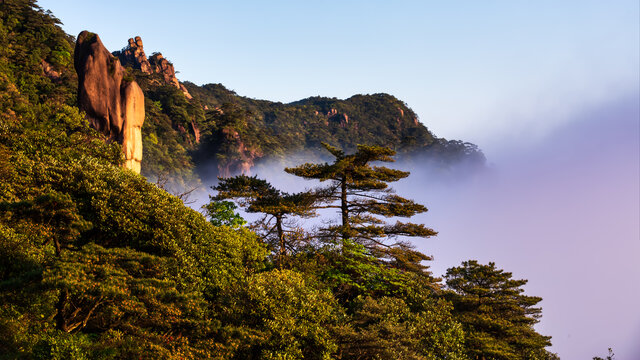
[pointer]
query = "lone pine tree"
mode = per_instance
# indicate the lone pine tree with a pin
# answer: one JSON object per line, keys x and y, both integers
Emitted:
{"x": 360, "y": 192}
{"x": 259, "y": 196}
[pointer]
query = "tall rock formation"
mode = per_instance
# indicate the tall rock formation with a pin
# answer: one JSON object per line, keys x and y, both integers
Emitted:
{"x": 135, "y": 56}
{"x": 113, "y": 102}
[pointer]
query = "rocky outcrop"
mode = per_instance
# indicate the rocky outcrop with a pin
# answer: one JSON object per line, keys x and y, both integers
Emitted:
{"x": 342, "y": 119}
{"x": 196, "y": 132}
{"x": 135, "y": 56}
{"x": 49, "y": 71}
{"x": 113, "y": 102}
{"x": 244, "y": 160}
{"x": 163, "y": 67}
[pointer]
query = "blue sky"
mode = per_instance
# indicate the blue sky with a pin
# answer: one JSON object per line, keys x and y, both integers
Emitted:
{"x": 548, "y": 89}
{"x": 479, "y": 71}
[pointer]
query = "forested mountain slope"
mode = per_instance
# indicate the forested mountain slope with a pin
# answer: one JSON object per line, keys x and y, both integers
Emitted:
{"x": 257, "y": 128}
{"x": 96, "y": 262}
{"x": 196, "y": 131}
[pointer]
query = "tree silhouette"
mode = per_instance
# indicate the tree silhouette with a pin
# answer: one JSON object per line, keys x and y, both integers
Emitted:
{"x": 259, "y": 196}
{"x": 361, "y": 194}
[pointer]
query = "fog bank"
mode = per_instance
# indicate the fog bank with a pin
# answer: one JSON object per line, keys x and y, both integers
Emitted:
{"x": 562, "y": 212}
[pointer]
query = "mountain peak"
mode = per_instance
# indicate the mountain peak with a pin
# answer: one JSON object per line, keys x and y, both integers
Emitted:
{"x": 133, "y": 55}
{"x": 114, "y": 104}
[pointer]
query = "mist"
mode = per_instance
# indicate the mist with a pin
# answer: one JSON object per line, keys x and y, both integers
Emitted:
{"x": 562, "y": 211}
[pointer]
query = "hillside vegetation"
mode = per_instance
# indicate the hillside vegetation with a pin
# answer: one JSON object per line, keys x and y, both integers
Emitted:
{"x": 96, "y": 262}
{"x": 214, "y": 131}
{"x": 247, "y": 129}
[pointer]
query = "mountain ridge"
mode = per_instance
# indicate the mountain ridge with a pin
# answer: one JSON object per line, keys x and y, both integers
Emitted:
{"x": 219, "y": 132}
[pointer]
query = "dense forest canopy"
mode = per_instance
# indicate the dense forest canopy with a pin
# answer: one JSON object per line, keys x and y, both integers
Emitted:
{"x": 96, "y": 262}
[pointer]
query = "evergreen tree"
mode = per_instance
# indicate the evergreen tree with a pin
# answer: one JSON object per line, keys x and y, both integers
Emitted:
{"x": 282, "y": 314}
{"x": 394, "y": 328}
{"x": 498, "y": 319}
{"x": 98, "y": 263}
{"x": 258, "y": 196}
{"x": 361, "y": 193}
{"x": 223, "y": 213}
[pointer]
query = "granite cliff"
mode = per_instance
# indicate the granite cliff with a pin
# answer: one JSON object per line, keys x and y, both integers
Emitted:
{"x": 133, "y": 55}
{"x": 112, "y": 100}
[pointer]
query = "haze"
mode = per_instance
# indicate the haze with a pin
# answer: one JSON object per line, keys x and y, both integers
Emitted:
{"x": 549, "y": 90}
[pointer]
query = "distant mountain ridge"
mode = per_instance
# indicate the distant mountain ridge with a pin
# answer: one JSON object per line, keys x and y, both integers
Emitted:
{"x": 259, "y": 129}
{"x": 194, "y": 131}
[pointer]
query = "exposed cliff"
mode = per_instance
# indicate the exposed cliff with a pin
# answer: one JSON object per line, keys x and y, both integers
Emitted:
{"x": 133, "y": 55}
{"x": 113, "y": 102}
{"x": 213, "y": 131}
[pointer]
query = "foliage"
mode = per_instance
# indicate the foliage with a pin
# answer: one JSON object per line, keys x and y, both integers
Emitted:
{"x": 360, "y": 192}
{"x": 498, "y": 319}
{"x": 223, "y": 213}
{"x": 289, "y": 317}
{"x": 151, "y": 255}
{"x": 166, "y": 149}
{"x": 98, "y": 263}
{"x": 387, "y": 328}
{"x": 258, "y": 196}
{"x": 29, "y": 38}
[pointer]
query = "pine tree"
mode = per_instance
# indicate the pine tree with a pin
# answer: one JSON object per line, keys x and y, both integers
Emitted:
{"x": 259, "y": 196}
{"x": 360, "y": 192}
{"x": 497, "y": 318}
{"x": 223, "y": 213}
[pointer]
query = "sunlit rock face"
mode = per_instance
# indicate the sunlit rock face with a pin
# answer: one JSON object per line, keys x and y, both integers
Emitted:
{"x": 114, "y": 103}
{"x": 133, "y": 55}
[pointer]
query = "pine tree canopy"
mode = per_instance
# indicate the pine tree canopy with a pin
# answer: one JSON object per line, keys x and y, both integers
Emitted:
{"x": 498, "y": 319}
{"x": 360, "y": 191}
{"x": 259, "y": 196}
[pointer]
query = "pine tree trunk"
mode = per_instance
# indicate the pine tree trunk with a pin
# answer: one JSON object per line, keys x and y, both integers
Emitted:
{"x": 58, "y": 246}
{"x": 283, "y": 250}
{"x": 344, "y": 208}
{"x": 61, "y": 323}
